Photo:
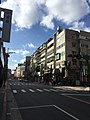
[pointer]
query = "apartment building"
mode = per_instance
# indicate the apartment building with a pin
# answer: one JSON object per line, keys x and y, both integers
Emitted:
{"x": 68, "y": 51}
{"x": 50, "y": 53}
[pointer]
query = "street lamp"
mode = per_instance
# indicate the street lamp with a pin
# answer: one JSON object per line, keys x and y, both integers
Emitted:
{"x": 7, "y": 54}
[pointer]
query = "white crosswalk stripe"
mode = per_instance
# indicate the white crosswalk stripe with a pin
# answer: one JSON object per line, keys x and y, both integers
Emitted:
{"x": 39, "y": 90}
{"x": 14, "y": 91}
{"x": 46, "y": 90}
{"x": 23, "y": 90}
{"x": 53, "y": 90}
{"x": 31, "y": 90}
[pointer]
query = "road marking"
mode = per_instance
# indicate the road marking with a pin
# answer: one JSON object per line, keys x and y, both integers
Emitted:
{"x": 31, "y": 90}
{"x": 65, "y": 112}
{"x": 53, "y": 90}
{"x": 46, "y": 90}
{"x": 77, "y": 99}
{"x": 10, "y": 84}
{"x": 23, "y": 90}
{"x": 14, "y": 91}
{"x": 42, "y": 106}
{"x": 62, "y": 90}
{"x": 8, "y": 114}
{"x": 39, "y": 90}
{"x": 76, "y": 94}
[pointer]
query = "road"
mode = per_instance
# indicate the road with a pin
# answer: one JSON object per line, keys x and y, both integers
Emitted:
{"x": 42, "y": 102}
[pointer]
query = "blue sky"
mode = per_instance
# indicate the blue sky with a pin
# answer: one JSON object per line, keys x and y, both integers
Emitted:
{"x": 35, "y": 21}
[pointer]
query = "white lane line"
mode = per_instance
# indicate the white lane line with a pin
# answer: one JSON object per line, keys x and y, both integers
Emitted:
{"x": 53, "y": 90}
{"x": 43, "y": 106}
{"x": 31, "y": 90}
{"x": 39, "y": 90}
{"x": 66, "y": 112}
{"x": 40, "y": 106}
{"x": 46, "y": 90}
{"x": 23, "y": 90}
{"x": 77, "y": 99}
{"x": 76, "y": 94}
{"x": 14, "y": 91}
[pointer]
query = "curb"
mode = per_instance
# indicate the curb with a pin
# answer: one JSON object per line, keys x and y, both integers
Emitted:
{"x": 73, "y": 88}
{"x": 4, "y": 106}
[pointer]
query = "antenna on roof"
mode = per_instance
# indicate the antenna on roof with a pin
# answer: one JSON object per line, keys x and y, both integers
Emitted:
{"x": 59, "y": 29}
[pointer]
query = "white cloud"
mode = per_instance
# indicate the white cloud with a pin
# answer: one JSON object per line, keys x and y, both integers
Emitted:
{"x": 47, "y": 21}
{"x": 30, "y": 45}
{"x": 13, "y": 66}
{"x": 20, "y": 52}
{"x": 14, "y": 61}
{"x": 80, "y": 26}
{"x": 68, "y": 10}
{"x": 27, "y": 13}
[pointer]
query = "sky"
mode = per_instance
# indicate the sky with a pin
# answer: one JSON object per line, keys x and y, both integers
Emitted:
{"x": 35, "y": 21}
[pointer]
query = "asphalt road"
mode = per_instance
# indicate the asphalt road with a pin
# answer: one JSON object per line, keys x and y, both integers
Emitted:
{"x": 40, "y": 102}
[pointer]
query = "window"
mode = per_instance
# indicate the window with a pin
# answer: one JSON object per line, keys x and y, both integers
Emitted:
{"x": 60, "y": 46}
{"x": 50, "y": 45}
{"x": 74, "y": 62}
{"x": 73, "y": 44}
{"x": 74, "y": 52}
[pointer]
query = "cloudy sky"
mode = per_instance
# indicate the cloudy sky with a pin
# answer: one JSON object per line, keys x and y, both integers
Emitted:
{"x": 34, "y": 21}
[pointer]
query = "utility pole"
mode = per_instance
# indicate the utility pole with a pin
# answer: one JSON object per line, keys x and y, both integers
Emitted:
{"x": 7, "y": 55}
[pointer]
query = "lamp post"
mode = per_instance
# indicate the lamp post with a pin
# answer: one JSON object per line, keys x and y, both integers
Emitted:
{"x": 7, "y": 55}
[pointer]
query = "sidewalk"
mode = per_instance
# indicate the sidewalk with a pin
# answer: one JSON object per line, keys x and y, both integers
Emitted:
{"x": 77, "y": 88}
{"x": 2, "y": 102}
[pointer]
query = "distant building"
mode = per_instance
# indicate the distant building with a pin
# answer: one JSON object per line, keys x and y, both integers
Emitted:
{"x": 20, "y": 71}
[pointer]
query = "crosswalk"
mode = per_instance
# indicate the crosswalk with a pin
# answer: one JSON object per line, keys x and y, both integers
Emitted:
{"x": 20, "y": 84}
{"x": 33, "y": 90}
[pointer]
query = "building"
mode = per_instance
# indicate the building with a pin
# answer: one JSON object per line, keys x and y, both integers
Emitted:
{"x": 27, "y": 67}
{"x": 69, "y": 52}
{"x": 20, "y": 71}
